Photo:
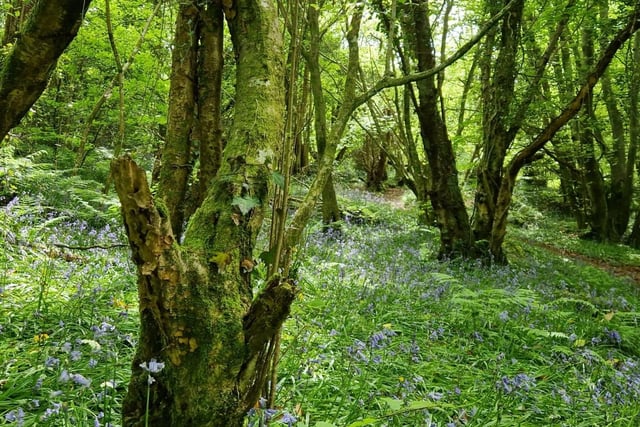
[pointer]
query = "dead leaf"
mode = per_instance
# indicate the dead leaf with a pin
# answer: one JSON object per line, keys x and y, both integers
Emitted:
{"x": 247, "y": 265}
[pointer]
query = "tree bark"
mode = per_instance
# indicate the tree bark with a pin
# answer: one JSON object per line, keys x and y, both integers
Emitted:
{"x": 634, "y": 126}
{"x": 177, "y": 160}
{"x": 330, "y": 210}
{"x": 52, "y": 25}
{"x": 498, "y": 101}
{"x": 198, "y": 314}
{"x": 209, "y": 99}
{"x": 597, "y": 213}
{"x": 446, "y": 198}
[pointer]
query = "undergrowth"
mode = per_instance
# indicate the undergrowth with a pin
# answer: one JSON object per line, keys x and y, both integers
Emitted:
{"x": 380, "y": 335}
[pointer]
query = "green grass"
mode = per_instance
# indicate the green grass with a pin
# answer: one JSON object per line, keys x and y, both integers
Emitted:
{"x": 380, "y": 335}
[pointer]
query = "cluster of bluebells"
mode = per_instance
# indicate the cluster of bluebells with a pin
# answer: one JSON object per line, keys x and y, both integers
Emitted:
{"x": 520, "y": 382}
{"x": 361, "y": 351}
{"x": 261, "y": 415}
{"x": 15, "y": 416}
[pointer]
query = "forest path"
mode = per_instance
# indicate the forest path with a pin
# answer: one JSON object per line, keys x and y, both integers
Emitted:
{"x": 631, "y": 272}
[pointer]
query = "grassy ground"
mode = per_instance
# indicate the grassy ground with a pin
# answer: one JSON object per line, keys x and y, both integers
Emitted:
{"x": 381, "y": 334}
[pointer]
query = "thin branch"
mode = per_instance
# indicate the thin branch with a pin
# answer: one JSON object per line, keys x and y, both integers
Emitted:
{"x": 86, "y": 248}
{"x": 387, "y": 82}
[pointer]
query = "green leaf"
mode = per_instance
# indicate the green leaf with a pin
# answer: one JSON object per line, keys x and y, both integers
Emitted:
{"x": 324, "y": 424}
{"x": 393, "y": 404}
{"x": 268, "y": 257}
{"x": 365, "y": 422}
{"x": 278, "y": 179}
{"x": 245, "y": 204}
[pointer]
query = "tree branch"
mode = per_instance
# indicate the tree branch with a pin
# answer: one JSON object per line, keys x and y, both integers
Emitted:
{"x": 53, "y": 24}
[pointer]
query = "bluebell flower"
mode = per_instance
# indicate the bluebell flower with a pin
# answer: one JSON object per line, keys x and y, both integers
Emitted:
{"x": 53, "y": 410}
{"x": 51, "y": 362}
{"x": 614, "y": 336}
{"x": 15, "y": 416}
{"x": 81, "y": 380}
{"x": 93, "y": 363}
{"x": 269, "y": 413}
{"x": 75, "y": 355}
{"x": 153, "y": 366}
{"x": 435, "y": 395}
{"x": 288, "y": 419}
{"x": 64, "y": 376}
{"x": 504, "y": 316}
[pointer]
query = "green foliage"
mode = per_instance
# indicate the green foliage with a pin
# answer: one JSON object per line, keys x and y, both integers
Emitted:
{"x": 45, "y": 188}
{"x": 69, "y": 320}
{"x": 382, "y": 335}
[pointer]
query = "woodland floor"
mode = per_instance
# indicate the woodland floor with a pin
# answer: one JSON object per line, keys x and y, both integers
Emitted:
{"x": 630, "y": 272}
{"x": 394, "y": 197}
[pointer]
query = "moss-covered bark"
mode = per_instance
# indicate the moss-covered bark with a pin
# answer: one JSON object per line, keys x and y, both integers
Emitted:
{"x": 498, "y": 104}
{"x": 446, "y": 198}
{"x": 177, "y": 161}
{"x": 198, "y": 314}
{"x": 25, "y": 72}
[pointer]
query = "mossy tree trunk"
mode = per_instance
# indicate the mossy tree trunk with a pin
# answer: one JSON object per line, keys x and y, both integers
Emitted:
{"x": 177, "y": 161}
{"x": 597, "y": 213}
{"x": 498, "y": 102}
{"x": 194, "y": 128}
{"x": 634, "y": 126}
{"x": 446, "y": 198}
{"x": 330, "y": 209}
{"x": 198, "y": 314}
{"x": 25, "y": 72}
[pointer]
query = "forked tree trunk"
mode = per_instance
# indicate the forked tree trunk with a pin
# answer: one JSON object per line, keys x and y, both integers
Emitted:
{"x": 527, "y": 154}
{"x": 497, "y": 101}
{"x": 198, "y": 314}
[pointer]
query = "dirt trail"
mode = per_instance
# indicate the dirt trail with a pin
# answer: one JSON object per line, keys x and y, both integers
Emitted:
{"x": 630, "y": 272}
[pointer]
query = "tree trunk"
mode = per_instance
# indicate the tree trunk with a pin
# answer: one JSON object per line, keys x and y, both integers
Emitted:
{"x": 330, "y": 209}
{"x": 597, "y": 216}
{"x": 52, "y": 25}
{"x": 498, "y": 100}
{"x": 177, "y": 160}
{"x": 634, "y": 126}
{"x": 209, "y": 99}
{"x": 198, "y": 314}
{"x": 620, "y": 191}
{"x": 446, "y": 199}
